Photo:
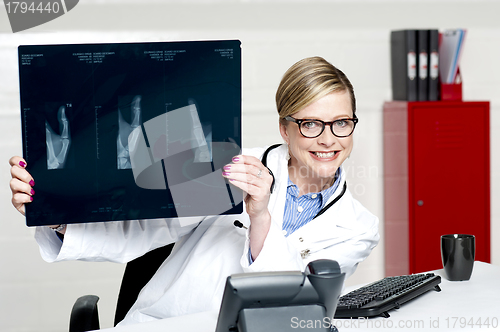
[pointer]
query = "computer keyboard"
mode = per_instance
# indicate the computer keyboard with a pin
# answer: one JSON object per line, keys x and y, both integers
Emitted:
{"x": 377, "y": 298}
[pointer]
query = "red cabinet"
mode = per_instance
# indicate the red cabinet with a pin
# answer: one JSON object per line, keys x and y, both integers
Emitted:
{"x": 436, "y": 180}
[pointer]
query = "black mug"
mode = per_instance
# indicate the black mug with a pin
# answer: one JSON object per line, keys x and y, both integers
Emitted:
{"x": 457, "y": 254}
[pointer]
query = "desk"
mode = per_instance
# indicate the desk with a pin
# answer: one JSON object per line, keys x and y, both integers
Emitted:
{"x": 457, "y": 303}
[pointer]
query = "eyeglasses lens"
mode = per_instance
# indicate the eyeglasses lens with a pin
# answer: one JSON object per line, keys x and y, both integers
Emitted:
{"x": 340, "y": 128}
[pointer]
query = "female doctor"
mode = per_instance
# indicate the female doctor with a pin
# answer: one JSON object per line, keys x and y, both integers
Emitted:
{"x": 297, "y": 208}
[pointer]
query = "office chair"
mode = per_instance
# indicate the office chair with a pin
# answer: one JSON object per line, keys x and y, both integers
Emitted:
{"x": 84, "y": 315}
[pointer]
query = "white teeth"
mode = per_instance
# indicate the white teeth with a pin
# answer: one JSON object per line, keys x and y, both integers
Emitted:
{"x": 324, "y": 155}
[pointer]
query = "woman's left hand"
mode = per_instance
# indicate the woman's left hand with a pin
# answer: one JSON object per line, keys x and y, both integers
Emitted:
{"x": 249, "y": 174}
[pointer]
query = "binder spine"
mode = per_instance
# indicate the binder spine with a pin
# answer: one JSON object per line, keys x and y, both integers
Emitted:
{"x": 404, "y": 65}
{"x": 423, "y": 65}
{"x": 411, "y": 78}
{"x": 433, "y": 65}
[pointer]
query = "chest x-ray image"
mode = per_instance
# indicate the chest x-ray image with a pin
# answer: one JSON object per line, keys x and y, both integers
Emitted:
{"x": 130, "y": 131}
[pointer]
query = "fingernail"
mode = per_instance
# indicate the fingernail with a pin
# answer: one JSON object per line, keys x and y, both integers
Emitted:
{"x": 32, "y": 183}
{"x": 227, "y": 167}
{"x": 225, "y": 173}
{"x": 22, "y": 164}
{"x": 236, "y": 159}
{"x": 32, "y": 191}
{"x": 31, "y": 198}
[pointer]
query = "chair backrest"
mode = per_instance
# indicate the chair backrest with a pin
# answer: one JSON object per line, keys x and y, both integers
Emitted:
{"x": 137, "y": 274}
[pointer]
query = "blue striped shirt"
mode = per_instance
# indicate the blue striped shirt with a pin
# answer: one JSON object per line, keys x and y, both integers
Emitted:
{"x": 301, "y": 210}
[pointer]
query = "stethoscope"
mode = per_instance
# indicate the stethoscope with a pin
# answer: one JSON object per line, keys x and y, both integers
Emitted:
{"x": 237, "y": 223}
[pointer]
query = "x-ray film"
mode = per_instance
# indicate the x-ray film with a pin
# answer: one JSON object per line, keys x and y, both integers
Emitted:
{"x": 130, "y": 131}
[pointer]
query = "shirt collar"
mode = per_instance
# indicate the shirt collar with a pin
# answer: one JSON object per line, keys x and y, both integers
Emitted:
{"x": 323, "y": 195}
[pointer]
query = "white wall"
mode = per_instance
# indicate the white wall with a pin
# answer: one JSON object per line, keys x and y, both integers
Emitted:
{"x": 353, "y": 35}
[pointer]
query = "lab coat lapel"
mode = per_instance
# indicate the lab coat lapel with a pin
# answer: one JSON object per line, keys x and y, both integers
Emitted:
{"x": 277, "y": 162}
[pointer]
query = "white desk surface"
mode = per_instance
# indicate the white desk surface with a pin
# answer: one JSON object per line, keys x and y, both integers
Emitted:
{"x": 461, "y": 305}
{"x": 451, "y": 309}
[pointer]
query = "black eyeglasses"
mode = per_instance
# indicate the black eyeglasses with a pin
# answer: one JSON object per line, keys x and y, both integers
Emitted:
{"x": 312, "y": 128}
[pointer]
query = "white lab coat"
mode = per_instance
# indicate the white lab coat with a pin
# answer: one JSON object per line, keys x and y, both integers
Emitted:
{"x": 207, "y": 250}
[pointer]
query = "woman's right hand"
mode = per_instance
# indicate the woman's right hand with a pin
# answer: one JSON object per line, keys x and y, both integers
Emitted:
{"x": 21, "y": 184}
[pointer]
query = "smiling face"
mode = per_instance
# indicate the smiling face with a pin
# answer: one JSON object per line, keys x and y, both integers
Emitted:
{"x": 314, "y": 161}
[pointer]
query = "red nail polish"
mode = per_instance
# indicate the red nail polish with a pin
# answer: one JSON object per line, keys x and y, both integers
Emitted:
{"x": 32, "y": 191}
{"x": 32, "y": 183}
{"x": 22, "y": 164}
{"x": 31, "y": 198}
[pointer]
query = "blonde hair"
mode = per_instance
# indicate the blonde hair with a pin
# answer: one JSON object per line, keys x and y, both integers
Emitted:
{"x": 308, "y": 80}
